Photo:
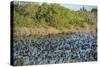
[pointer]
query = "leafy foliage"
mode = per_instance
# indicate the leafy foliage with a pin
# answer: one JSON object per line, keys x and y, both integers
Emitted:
{"x": 27, "y": 14}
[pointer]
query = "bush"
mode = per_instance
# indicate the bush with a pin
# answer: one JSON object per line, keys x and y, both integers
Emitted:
{"x": 44, "y": 15}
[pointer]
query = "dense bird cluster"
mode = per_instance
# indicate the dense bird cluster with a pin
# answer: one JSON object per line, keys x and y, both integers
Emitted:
{"x": 53, "y": 49}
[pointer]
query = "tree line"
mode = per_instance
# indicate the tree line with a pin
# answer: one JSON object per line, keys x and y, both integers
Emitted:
{"x": 29, "y": 14}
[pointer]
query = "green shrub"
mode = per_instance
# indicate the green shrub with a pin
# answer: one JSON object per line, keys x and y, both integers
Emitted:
{"x": 54, "y": 15}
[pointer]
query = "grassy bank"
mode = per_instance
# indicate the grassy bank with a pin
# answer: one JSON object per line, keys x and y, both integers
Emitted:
{"x": 50, "y": 30}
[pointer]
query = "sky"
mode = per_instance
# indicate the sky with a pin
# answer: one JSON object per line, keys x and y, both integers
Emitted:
{"x": 77, "y": 7}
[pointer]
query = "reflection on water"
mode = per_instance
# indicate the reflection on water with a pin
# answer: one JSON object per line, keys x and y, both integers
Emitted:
{"x": 53, "y": 49}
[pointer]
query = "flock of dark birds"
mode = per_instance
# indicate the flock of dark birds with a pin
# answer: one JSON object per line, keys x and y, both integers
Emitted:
{"x": 55, "y": 49}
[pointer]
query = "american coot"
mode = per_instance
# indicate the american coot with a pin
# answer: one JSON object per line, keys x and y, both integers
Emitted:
{"x": 74, "y": 47}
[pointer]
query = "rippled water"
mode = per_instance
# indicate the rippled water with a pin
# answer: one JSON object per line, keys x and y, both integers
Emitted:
{"x": 53, "y": 49}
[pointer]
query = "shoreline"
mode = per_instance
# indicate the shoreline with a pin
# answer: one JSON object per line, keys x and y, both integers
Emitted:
{"x": 49, "y": 31}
